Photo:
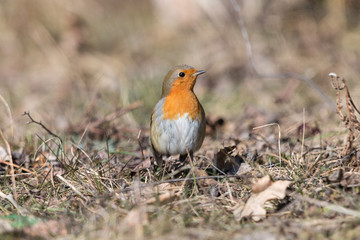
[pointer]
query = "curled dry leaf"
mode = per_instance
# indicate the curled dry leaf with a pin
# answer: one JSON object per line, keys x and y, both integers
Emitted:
{"x": 228, "y": 159}
{"x": 265, "y": 190}
{"x": 262, "y": 184}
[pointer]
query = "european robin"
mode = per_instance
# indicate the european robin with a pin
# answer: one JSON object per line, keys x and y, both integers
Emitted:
{"x": 178, "y": 119}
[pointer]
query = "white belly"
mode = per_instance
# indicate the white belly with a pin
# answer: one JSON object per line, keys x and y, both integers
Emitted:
{"x": 178, "y": 136}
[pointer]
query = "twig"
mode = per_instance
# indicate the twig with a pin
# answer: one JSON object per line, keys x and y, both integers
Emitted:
{"x": 12, "y": 172}
{"x": 303, "y": 134}
{"x": 189, "y": 179}
{"x": 249, "y": 52}
{"x": 141, "y": 148}
{"x": 329, "y": 206}
{"x": 42, "y": 125}
{"x": 229, "y": 192}
{"x": 180, "y": 180}
{"x": 279, "y": 136}
{"x": 72, "y": 187}
{"x": 82, "y": 136}
{"x": 17, "y": 166}
{"x": 195, "y": 178}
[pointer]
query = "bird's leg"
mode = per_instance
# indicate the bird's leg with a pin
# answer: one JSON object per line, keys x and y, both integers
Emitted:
{"x": 157, "y": 156}
{"x": 158, "y": 159}
{"x": 184, "y": 156}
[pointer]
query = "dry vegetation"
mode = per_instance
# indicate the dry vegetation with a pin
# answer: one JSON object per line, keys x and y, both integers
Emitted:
{"x": 77, "y": 164}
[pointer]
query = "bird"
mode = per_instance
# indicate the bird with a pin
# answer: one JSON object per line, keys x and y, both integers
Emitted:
{"x": 178, "y": 122}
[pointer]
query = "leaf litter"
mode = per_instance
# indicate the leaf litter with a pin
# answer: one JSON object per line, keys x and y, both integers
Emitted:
{"x": 117, "y": 182}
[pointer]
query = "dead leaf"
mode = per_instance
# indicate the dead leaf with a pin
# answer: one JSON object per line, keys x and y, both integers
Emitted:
{"x": 269, "y": 190}
{"x": 228, "y": 160}
{"x": 261, "y": 184}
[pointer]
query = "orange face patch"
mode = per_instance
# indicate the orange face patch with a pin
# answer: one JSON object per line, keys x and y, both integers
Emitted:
{"x": 186, "y": 82}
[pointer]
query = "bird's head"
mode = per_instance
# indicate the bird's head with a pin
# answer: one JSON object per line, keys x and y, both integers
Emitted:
{"x": 181, "y": 78}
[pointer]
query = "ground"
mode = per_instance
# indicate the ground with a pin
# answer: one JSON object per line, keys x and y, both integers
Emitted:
{"x": 79, "y": 81}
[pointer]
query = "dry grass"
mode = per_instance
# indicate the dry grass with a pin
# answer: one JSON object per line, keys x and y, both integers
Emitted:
{"x": 89, "y": 74}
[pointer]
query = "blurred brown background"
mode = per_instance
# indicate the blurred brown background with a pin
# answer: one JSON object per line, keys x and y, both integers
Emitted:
{"x": 63, "y": 59}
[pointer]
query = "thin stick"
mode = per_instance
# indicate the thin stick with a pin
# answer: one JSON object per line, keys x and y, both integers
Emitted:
{"x": 72, "y": 187}
{"x": 279, "y": 136}
{"x": 83, "y": 134}
{"x": 303, "y": 134}
{"x": 190, "y": 179}
{"x": 249, "y": 52}
{"x": 42, "y": 125}
{"x": 12, "y": 172}
{"x": 229, "y": 191}
{"x": 181, "y": 180}
{"x": 17, "y": 166}
{"x": 141, "y": 148}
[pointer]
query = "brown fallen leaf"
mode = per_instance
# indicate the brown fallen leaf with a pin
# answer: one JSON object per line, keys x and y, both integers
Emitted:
{"x": 264, "y": 190}
{"x": 262, "y": 184}
{"x": 228, "y": 159}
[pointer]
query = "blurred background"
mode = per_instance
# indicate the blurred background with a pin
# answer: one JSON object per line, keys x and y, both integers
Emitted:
{"x": 70, "y": 61}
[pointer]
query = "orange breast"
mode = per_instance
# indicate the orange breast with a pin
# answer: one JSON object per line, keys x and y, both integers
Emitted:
{"x": 180, "y": 102}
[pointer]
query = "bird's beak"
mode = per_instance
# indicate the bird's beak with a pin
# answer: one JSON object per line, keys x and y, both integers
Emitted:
{"x": 198, "y": 73}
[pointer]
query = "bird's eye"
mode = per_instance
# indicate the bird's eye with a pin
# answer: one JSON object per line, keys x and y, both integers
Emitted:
{"x": 181, "y": 74}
